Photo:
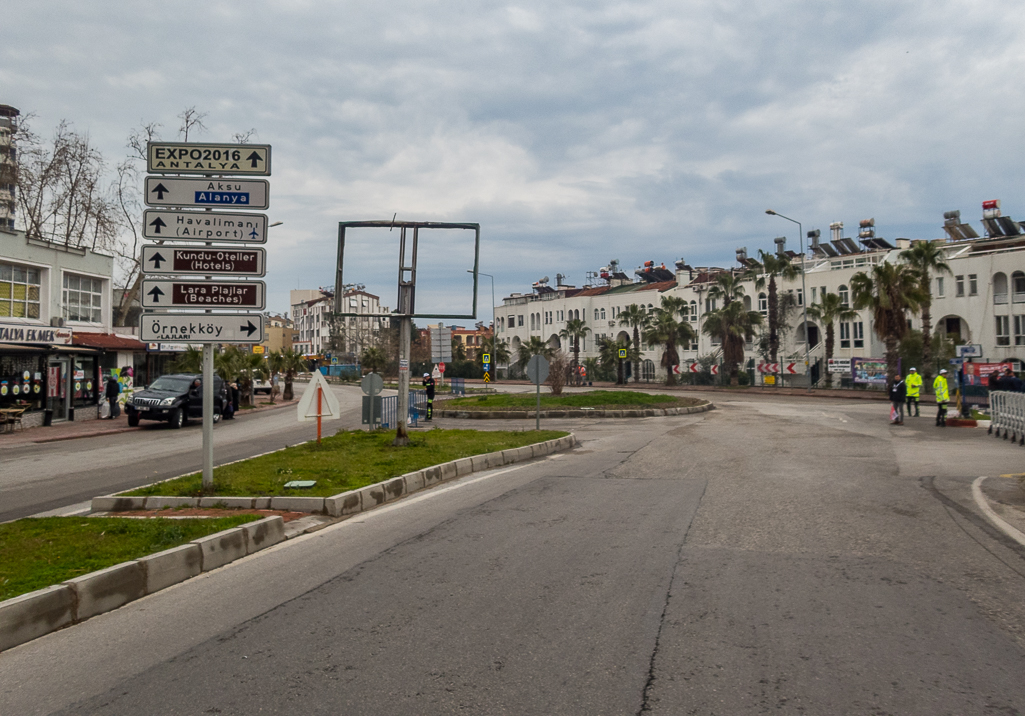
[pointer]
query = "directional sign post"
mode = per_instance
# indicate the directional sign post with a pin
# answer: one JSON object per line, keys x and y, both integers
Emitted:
{"x": 203, "y": 294}
{"x": 203, "y": 261}
{"x": 200, "y": 158}
{"x": 223, "y": 226}
{"x": 201, "y": 328}
{"x": 208, "y": 193}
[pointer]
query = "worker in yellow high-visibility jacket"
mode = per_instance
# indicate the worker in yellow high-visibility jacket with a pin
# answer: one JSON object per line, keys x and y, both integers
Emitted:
{"x": 914, "y": 383}
{"x": 939, "y": 387}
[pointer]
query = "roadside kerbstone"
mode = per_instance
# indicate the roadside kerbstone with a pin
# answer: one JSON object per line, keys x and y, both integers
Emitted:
{"x": 346, "y": 503}
{"x": 163, "y": 503}
{"x": 171, "y": 566}
{"x": 221, "y": 548}
{"x": 298, "y": 504}
{"x": 372, "y": 496}
{"x": 29, "y": 616}
{"x": 108, "y": 589}
{"x": 448, "y": 471}
{"x": 394, "y": 489}
{"x": 261, "y": 503}
{"x": 264, "y": 533}
{"x": 464, "y": 466}
{"x": 111, "y": 503}
{"x": 229, "y": 502}
{"x": 414, "y": 481}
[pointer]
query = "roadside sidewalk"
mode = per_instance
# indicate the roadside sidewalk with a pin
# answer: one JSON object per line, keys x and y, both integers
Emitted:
{"x": 95, "y": 428}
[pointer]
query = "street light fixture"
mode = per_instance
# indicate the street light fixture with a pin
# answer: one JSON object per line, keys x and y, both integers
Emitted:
{"x": 494, "y": 321}
{"x": 804, "y": 293}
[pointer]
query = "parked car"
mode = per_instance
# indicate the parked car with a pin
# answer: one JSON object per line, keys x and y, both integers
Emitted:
{"x": 261, "y": 386}
{"x": 174, "y": 399}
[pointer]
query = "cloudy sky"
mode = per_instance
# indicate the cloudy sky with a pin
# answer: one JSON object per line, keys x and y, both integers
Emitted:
{"x": 574, "y": 132}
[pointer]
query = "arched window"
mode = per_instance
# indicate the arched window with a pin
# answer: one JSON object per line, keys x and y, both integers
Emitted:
{"x": 845, "y": 295}
{"x": 1000, "y": 287}
{"x": 763, "y": 304}
{"x": 693, "y": 310}
{"x": 576, "y": 314}
{"x": 596, "y": 314}
{"x": 533, "y": 324}
{"x": 747, "y": 303}
{"x": 603, "y": 314}
{"x": 1018, "y": 287}
{"x": 651, "y": 309}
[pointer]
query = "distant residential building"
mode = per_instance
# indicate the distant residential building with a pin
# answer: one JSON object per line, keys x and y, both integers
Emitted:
{"x": 314, "y": 326}
{"x": 8, "y": 189}
{"x": 277, "y": 333}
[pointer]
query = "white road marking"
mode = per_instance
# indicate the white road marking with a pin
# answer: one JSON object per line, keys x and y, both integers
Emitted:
{"x": 993, "y": 517}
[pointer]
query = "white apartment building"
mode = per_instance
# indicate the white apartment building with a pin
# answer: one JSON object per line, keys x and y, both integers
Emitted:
{"x": 312, "y": 327}
{"x": 8, "y": 124}
{"x": 981, "y": 302}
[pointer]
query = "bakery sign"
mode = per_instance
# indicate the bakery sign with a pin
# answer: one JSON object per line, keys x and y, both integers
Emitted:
{"x": 17, "y": 333}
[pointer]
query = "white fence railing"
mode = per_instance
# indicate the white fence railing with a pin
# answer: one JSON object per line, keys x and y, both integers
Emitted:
{"x": 1007, "y": 413}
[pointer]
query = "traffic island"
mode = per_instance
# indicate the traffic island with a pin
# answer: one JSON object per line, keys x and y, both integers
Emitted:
{"x": 593, "y": 404}
{"x": 57, "y": 571}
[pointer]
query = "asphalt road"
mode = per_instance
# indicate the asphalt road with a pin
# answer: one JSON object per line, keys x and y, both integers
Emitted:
{"x": 47, "y": 476}
{"x": 774, "y": 556}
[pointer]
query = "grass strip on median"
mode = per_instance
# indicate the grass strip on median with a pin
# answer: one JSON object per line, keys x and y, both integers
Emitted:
{"x": 614, "y": 399}
{"x": 37, "y": 552}
{"x": 347, "y": 461}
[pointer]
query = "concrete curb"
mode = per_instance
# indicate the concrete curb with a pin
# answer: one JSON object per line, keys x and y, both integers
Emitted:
{"x": 571, "y": 413}
{"x": 999, "y": 522}
{"x": 35, "y": 614}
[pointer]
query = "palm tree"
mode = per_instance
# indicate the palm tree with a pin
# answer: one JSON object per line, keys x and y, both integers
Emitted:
{"x": 191, "y": 361}
{"x": 828, "y": 312}
{"x": 769, "y": 267}
{"x": 733, "y": 326}
{"x": 252, "y": 366}
{"x": 292, "y": 363}
{"x": 575, "y": 329}
{"x": 498, "y": 348}
{"x": 664, "y": 330}
{"x": 373, "y": 359}
{"x": 635, "y": 316}
{"x": 536, "y": 346}
{"x": 726, "y": 287}
{"x": 926, "y": 257}
{"x": 890, "y": 290}
{"x": 458, "y": 349}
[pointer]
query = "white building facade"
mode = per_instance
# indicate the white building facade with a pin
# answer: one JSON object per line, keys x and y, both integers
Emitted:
{"x": 982, "y": 301}
{"x": 312, "y": 312}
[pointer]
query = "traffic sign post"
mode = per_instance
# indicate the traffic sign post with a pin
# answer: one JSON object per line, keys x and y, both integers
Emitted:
{"x": 211, "y": 261}
{"x": 207, "y": 193}
{"x": 317, "y": 393}
{"x": 371, "y": 385}
{"x": 537, "y": 371}
{"x": 486, "y": 360}
{"x": 206, "y": 261}
{"x": 202, "y": 158}
{"x": 233, "y": 227}
{"x": 204, "y": 294}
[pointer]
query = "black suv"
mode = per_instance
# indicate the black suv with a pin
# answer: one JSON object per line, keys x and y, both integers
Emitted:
{"x": 174, "y": 398}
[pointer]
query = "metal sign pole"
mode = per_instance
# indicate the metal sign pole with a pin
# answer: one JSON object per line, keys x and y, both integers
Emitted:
{"x": 401, "y": 434}
{"x": 208, "y": 416}
{"x": 537, "y": 413}
{"x": 320, "y": 410}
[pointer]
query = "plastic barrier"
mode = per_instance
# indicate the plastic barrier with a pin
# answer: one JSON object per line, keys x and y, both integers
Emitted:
{"x": 1007, "y": 414}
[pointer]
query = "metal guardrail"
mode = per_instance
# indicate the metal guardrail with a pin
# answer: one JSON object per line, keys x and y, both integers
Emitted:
{"x": 417, "y": 409}
{"x": 458, "y": 386}
{"x": 1007, "y": 413}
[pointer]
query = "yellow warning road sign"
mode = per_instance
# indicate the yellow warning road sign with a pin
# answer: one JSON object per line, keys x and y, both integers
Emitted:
{"x": 487, "y": 377}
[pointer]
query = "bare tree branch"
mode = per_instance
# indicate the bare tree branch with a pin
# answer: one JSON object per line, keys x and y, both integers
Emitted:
{"x": 192, "y": 119}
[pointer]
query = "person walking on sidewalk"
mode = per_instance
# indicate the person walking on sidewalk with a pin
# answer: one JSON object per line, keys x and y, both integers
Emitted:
{"x": 914, "y": 383}
{"x": 898, "y": 394}
{"x": 111, "y": 391}
{"x": 429, "y": 385}
{"x": 939, "y": 387}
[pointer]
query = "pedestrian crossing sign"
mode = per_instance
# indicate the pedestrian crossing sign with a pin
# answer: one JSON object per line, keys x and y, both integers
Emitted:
{"x": 622, "y": 352}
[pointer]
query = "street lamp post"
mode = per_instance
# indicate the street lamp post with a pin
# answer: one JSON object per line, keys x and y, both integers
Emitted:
{"x": 804, "y": 293}
{"x": 494, "y": 319}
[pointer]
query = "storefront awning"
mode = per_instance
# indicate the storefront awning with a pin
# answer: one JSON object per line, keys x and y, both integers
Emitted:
{"x": 20, "y": 348}
{"x": 108, "y": 342}
{"x": 73, "y": 349}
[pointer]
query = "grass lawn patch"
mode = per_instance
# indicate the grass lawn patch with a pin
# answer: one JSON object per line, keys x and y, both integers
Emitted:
{"x": 610, "y": 399}
{"x": 37, "y": 552}
{"x": 346, "y": 461}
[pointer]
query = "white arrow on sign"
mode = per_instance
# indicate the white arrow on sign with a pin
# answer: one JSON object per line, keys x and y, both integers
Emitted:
{"x": 223, "y": 226}
{"x": 203, "y": 261}
{"x": 208, "y": 193}
{"x": 201, "y": 328}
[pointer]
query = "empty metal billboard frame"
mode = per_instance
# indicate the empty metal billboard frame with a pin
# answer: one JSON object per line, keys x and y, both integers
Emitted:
{"x": 405, "y": 306}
